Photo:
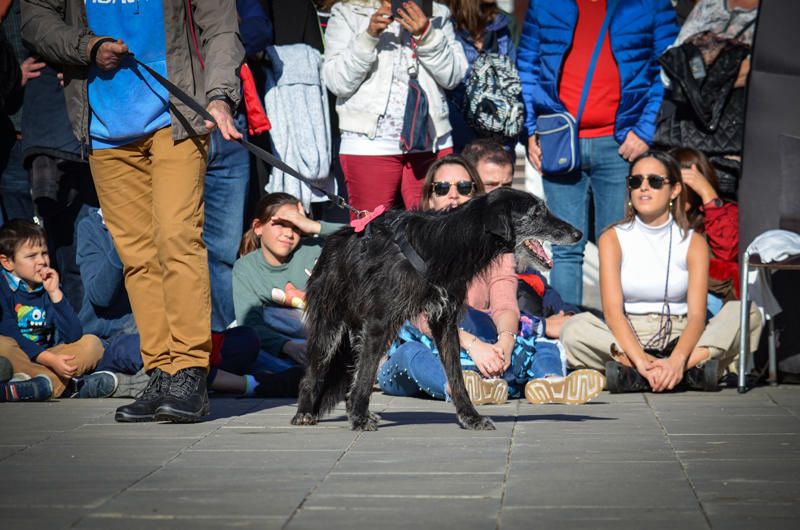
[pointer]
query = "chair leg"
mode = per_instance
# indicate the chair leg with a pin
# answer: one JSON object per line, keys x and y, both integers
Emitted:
{"x": 744, "y": 326}
{"x": 773, "y": 355}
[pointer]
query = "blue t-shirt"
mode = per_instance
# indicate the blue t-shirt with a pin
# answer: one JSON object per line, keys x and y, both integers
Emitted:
{"x": 128, "y": 103}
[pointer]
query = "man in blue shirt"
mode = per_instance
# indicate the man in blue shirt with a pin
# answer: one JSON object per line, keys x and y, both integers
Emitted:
{"x": 148, "y": 155}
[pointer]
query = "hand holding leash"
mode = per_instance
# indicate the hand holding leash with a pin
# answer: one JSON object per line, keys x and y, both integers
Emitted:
{"x": 221, "y": 112}
{"x": 106, "y": 52}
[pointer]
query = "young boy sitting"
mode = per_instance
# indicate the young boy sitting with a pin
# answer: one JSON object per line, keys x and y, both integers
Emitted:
{"x": 40, "y": 334}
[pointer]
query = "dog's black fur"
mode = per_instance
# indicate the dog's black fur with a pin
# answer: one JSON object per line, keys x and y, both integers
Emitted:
{"x": 363, "y": 288}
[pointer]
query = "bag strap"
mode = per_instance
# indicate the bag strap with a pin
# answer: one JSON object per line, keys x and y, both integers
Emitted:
{"x": 259, "y": 153}
{"x": 490, "y": 43}
{"x": 587, "y": 82}
{"x": 744, "y": 28}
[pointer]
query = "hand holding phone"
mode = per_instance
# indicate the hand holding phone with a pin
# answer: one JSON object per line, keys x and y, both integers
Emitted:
{"x": 411, "y": 15}
{"x": 379, "y": 21}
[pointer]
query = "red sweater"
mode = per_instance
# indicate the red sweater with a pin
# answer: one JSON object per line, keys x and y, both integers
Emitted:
{"x": 600, "y": 110}
{"x": 722, "y": 233}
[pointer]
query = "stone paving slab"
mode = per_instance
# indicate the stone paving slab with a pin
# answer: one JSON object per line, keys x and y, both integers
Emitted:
{"x": 687, "y": 460}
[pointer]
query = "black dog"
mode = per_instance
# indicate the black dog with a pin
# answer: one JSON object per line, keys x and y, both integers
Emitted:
{"x": 366, "y": 285}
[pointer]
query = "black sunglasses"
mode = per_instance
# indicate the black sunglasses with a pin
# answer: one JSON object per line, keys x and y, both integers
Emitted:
{"x": 654, "y": 181}
{"x": 463, "y": 187}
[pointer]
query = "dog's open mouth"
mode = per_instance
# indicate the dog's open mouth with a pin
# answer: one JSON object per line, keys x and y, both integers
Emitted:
{"x": 538, "y": 251}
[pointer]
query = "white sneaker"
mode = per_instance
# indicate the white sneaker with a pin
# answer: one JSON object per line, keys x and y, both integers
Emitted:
{"x": 485, "y": 391}
{"x": 577, "y": 388}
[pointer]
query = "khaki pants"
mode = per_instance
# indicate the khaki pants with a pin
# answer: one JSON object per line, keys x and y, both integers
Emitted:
{"x": 588, "y": 340}
{"x": 88, "y": 351}
{"x": 151, "y": 193}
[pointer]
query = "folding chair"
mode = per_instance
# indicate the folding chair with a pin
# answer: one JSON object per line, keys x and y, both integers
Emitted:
{"x": 753, "y": 261}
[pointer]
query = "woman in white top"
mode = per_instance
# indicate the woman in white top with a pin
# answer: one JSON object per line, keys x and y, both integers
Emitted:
{"x": 654, "y": 284}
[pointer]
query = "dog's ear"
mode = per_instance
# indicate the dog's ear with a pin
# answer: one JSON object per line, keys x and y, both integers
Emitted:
{"x": 497, "y": 221}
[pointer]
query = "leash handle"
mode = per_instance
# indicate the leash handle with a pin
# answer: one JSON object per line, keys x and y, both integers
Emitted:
{"x": 259, "y": 153}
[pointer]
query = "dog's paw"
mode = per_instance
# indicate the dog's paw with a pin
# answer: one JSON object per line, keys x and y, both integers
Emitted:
{"x": 476, "y": 423}
{"x": 304, "y": 418}
{"x": 365, "y": 423}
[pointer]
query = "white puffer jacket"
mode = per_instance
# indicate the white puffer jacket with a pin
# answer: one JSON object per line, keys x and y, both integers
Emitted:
{"x": 358, "y": 67}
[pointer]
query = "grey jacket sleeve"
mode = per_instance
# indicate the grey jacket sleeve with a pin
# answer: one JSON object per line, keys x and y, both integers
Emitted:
{"x": 44, "y": 30}
{"x": 223, "y": 49}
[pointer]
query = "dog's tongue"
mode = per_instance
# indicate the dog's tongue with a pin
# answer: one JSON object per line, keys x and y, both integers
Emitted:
{"x": 538, "y": 249}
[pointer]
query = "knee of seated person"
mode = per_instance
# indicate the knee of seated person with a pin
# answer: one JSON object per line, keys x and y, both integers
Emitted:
{"x": 411, "y": 350}
{"x": 7, "y": 342}
{"x": 244, "y": 335}
{"x": 93, "y": 345}
{"x": 568, "y": 333}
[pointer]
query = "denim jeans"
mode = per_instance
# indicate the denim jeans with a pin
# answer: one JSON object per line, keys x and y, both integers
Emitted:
{"x": 413, "y": 370}
{"x": 237, "y": 355}
{"x": 226, "y": 184}
{"x": 602, "y": 174}
{"x": 15, "y": 188}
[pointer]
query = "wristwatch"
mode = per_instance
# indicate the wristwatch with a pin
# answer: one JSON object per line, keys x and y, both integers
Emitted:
{"x": 716, "y": 203}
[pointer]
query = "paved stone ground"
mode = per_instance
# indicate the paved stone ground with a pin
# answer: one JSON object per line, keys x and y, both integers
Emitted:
{"x": 688, "y": 460}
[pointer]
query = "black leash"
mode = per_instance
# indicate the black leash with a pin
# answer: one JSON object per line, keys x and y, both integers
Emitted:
{"x": 259, "y": 153}
{"x": 399, "y": 239}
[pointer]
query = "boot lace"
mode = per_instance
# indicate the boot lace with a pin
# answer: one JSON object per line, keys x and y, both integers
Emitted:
{"x": 157, "y": 386}
{"x": 185, "y": 383}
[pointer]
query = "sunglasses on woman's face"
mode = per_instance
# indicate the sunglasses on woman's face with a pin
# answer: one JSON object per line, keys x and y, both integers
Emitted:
{"x": 654, "y": 181}
{"x": 463, "y": 187}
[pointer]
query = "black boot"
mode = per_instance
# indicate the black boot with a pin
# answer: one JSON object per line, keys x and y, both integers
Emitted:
{"x": 187, "y": 400}
{"x": 704, "y": 378}
{"x": 144, "y": 408}
{"x": 620, "y": 378}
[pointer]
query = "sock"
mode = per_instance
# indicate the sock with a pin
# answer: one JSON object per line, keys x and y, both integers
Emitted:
{"x": 250, "y": 385}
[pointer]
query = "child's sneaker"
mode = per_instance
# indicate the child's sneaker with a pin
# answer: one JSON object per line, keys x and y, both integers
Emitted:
{"x": 6, "y": 370}
{"x": 485, "y": 391}
{"x": 38, "y": 388}
{"x": 95, "y": 385}
{"x": 577, "y": 388}
{"x": 131, "y": 386}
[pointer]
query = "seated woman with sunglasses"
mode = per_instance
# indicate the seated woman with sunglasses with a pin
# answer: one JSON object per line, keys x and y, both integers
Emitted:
{"x": 497, "y": 344}
{"x": 653, "y": 283}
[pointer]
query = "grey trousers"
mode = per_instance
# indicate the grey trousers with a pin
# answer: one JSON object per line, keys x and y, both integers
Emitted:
{"x": 588, "y": 340}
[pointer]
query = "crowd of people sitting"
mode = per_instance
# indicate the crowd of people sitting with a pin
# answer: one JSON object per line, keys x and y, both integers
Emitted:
{"x": 147, "y": 254}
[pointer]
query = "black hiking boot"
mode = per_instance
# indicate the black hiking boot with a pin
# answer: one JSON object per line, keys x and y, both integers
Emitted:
{"x": 144, "y": 408}
{"x": 620, "y": 378}
{"x": 187, "y": 399}
{"x": 704, "y": 378}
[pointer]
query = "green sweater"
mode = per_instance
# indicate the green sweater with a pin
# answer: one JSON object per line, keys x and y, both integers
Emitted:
{"x": 257, "y": 284}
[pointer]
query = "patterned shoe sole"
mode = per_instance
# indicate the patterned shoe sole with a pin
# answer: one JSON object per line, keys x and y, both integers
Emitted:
{"x": 485, "y": 391}
{"x": 577, "y": 388}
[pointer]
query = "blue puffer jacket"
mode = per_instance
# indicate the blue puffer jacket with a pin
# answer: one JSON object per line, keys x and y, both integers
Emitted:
{"x": 640, "y": 31}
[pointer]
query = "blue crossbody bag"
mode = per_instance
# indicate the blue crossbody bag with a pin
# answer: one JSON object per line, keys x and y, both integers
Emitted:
{"x": 558, "y": 132}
